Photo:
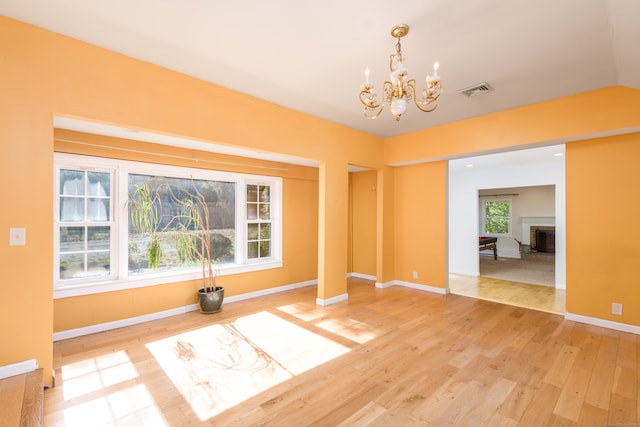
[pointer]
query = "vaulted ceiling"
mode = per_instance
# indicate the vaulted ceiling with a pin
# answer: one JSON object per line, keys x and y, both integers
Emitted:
{"x": 310, "y": 56}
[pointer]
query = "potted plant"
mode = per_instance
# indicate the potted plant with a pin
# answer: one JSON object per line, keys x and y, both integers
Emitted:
{"x": 188, "y": 226}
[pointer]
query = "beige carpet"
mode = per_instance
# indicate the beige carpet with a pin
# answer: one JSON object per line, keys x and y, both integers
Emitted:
{"x": 536, "y": 269}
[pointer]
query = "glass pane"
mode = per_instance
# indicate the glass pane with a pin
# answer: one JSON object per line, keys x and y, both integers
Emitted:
{"x": 99, "y": 184}
{"x": 98, "y": 264}
{"x": 71, "y": 265}
{"x": 167, "y": 197}
{"x": 264, "y": 211}
{"x": 497, "y": 208}
{"x": 252, "y": 231}
{"x": 265, "y": 248}
{"x": 222, "y": 250}
{"x": 265, "y": 231}
{"x": 98, "y": 210}
{"x": 71, "y": 209}
{"x": 497, "y": 225}
{"x": 71, "y": 239}
{"x": 71, "y": 182}
{"x": 252, "y": 250}
{"x": 99, "y": 238}
{"x": 252, "y": 193}
{"x": 252, "y": 211}
{"x": 264, "y": 193}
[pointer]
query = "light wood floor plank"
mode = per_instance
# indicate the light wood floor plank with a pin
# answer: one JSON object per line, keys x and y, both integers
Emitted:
{"x": 393, "y": 356}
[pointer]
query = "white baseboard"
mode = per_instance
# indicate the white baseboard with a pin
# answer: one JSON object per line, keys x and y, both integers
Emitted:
{"x": 466, "y": 273}
{"x": 381, "y": 285}
{"x": 18, "y": 368}
{"x": 63, "y": 335}
{"x": 609, "y": 324}
{"x": 332, "y": 300}
{"x": 362, "y": 276}
{"x": 101, "y": 327}
{"x": 270, "y": 291}
{"x": 417, "y": 286}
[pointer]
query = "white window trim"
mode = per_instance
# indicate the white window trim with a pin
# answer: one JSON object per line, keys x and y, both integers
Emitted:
{"x": 483, "y": 230}
{"x": 120, "y": 195}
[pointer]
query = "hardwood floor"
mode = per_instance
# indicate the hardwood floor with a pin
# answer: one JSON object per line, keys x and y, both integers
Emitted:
{"x": 524, "y": 295}
{"x": 386, "y": 357}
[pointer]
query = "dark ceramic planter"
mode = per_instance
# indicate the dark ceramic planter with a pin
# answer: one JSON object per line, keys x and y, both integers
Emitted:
{"x": 210, "y": 302}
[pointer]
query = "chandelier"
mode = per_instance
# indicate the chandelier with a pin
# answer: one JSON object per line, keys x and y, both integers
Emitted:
{"x": 397, "y": 91}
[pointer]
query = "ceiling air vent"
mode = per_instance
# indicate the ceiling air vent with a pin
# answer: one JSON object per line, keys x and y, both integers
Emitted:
{"x": 476, "y": 90}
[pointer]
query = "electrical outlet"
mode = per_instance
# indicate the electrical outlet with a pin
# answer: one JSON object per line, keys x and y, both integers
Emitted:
{"x": 616, "y": 308}
{"x": 17, "y": 237}
{"x": 415, "y": 274}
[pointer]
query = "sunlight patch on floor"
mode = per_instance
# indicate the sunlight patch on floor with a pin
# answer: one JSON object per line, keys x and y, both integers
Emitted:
{"x": 219, "y": 366}
{"x": 132, "y": 406}
{"x": 90, "y": 375}
{"x": 350, "y": 329}
{"x": 302, "y": 312}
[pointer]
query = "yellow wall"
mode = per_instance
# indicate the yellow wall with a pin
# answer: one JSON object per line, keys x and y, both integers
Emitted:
{"x": 553, "y": 121}
{"x": 420, "y": 224}
{"x": 595, "y": 167}
{"x": 603, "y": 210}
{"x": 363, "y": 222}
{"x": 300, "y": 231}
{"x": 43, "y": 74}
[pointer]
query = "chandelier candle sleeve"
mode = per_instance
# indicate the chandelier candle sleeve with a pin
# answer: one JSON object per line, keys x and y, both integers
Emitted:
{"x": 398, "y": 90}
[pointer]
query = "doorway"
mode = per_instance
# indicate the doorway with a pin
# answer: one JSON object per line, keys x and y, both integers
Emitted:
{"x": 533, "y": 180}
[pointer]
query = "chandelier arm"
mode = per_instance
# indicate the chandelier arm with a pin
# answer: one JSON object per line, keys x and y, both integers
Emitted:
{"x": 371, "y": 107}
{"x": 429, "y": 99}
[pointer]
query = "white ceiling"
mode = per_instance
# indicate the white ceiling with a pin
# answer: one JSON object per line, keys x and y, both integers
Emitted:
{"x": 311, "y": 56}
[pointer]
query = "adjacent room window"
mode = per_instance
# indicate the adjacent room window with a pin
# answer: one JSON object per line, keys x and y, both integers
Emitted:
{"x": 97, "y": 245}
{"x": 496, "y": 217}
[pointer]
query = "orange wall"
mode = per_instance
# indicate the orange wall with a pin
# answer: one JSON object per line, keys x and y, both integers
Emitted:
{"x": 300, "y": 231}
{"x": 363, "y": 222}
{"x": 603, "y": 210}
{"x": 421, "y": 224}
{"x": 556, "y": 121}
{"x": 43, "y": 74}
{"x": 606, "y": 171}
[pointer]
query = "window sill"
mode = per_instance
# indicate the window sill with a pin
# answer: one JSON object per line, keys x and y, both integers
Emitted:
{"x": 155, "y": 279}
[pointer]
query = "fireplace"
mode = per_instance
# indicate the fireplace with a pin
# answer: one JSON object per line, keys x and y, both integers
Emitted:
{"x": 543, "y": 238}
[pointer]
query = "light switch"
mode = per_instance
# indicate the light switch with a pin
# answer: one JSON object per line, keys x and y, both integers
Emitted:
{"x": 17, "y": 236}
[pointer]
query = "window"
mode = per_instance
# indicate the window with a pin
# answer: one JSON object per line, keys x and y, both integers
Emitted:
{"x": 258, "y": 221}
{"x": 98, "y": 247}
{"x": 84, "y": 225}
{"x": 166, "y": 192}
{"x": 496, "y": 217}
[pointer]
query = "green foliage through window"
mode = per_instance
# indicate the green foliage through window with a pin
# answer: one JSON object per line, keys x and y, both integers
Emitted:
{"x": 496, "y": 216}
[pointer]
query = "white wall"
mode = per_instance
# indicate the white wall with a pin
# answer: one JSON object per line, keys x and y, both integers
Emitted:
{"x": 526, "y": 202}
{"x": 466, "y": 182}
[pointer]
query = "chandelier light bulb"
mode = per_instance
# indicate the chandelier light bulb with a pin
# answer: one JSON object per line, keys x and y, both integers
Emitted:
{"x": 436, "y": 65}
{"x": 366, "y": 75}
{"x": 398, "y": 107}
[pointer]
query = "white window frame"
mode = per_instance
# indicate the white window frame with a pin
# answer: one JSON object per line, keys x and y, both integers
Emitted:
{"x": 112, "y": 223}
{"x": 483, "y": 220}
{"x": 121, "y": 279}
{"x": 274, "y": 201}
